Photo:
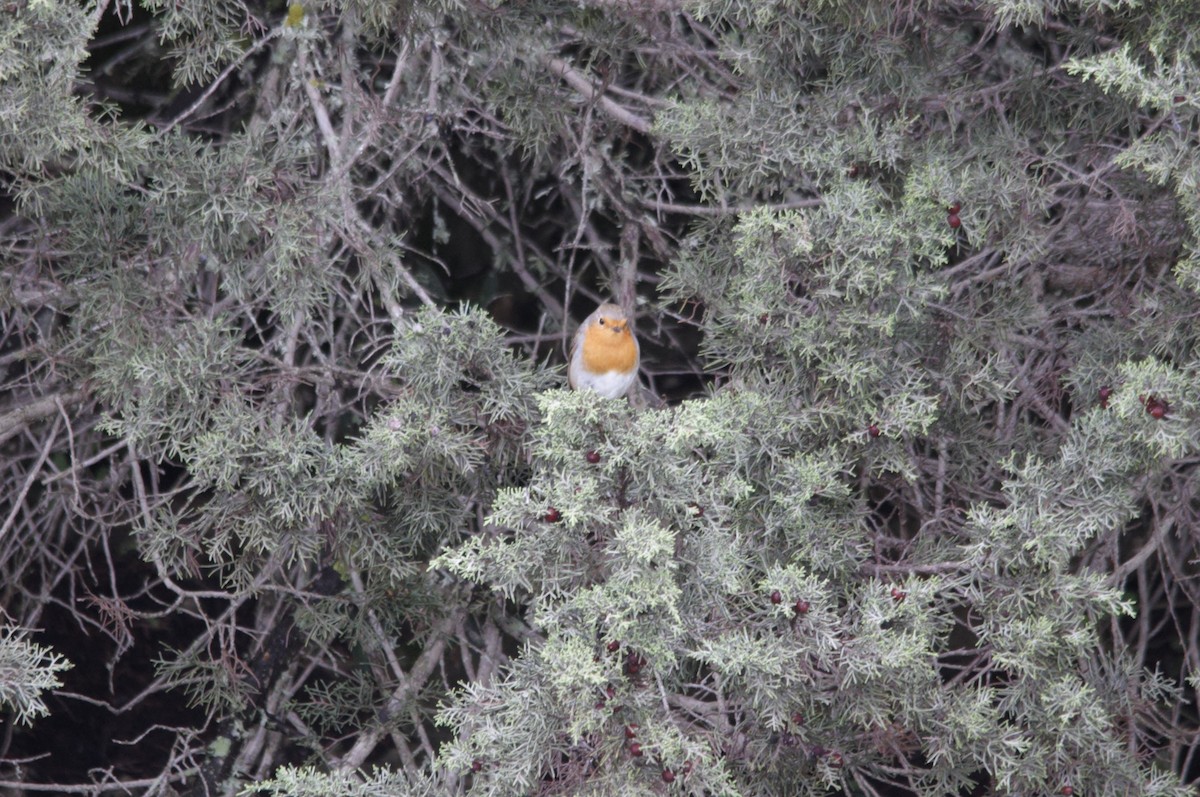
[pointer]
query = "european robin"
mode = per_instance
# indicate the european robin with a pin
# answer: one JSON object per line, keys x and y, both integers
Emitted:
{"x": 604, "y": 353}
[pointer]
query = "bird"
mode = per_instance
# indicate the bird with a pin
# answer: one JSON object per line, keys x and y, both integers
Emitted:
{"x": 604, "y": 353}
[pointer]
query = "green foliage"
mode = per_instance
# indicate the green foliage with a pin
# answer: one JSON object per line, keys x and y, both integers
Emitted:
{"x": 27, "y": 670}
{"x": 309, "y": 782}
{"x": 285, "y": 321}
{"x": 41, "y": 47}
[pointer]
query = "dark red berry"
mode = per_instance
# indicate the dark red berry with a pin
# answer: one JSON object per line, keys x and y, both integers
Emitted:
{"x": 1066, "y": 791}
{"x": 613, "y": 646}
{"x": 763, "y": 319}
{"x": 635, "y": 750}
{"x": 954, "y": 221}
{"x": 873, "y": 430}
{"x": 593, "y": 457}
{"x": 1178, "y": 98}
{"x": 476, "y": 765}
{"x": 898, "y": 595}
{"x": 801, "y": 607}
{"x": 1105, "y": 392}
{"x": 687, "y": 766}
{"x": 600, "y": 704}
{"x": 852, "y": 172}
{"x": 797, "y": 718}
{"x": 552, "y": 515}
{"x": 836, "y": 761}
{"x": 957, "y": 206}
{"x": 668, "y": 776}
{"x": 777, "y": 597}
{"x": 1156, "y": 407}
{"x": 631, "y": 730}
{"x": 610, "y": 691}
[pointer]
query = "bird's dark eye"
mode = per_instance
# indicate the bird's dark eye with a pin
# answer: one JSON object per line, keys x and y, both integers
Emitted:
{"x": 601, "y": 322}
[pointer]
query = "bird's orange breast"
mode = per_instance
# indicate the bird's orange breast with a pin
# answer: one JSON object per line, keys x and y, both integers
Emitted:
{"x": 609, "y": 349}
